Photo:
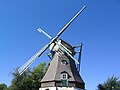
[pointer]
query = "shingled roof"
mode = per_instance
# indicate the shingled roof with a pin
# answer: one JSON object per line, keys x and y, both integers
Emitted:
{"x": 53, "y": 76}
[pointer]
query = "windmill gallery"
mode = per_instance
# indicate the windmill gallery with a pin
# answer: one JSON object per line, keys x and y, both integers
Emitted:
{"x": 63, "y": 72}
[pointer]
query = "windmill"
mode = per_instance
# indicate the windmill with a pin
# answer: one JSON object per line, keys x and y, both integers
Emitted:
{"x": 62, "y": 56}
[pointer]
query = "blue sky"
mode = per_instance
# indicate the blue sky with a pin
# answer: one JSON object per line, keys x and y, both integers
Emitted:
{"x": 97, "y": 27}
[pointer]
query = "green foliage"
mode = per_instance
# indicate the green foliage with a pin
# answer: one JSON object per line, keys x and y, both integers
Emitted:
{"x": 21, "y": 82}
{"x": 30, "y": 79}
{"x": 3, "y": 87}
{"x": 112, "y": 83}
{"x": 37, "y": 75}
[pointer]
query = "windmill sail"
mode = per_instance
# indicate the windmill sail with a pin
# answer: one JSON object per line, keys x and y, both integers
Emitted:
{"x": 68, "y": 24}
{"x": 32, "y": 59}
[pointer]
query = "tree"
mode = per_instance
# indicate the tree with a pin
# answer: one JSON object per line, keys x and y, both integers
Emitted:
{"x": 37, "y": 74}
{"x": 112, "y": 83}
{"x": 30, "y": 79}
{"x": 100, "y": 87}
{"x": 21, "y": 82}
{"x": 3, "y": 87}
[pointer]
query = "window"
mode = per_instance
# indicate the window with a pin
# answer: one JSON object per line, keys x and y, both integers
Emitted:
{"x": 64, "y": 76}
{"x": 63, "y": 62}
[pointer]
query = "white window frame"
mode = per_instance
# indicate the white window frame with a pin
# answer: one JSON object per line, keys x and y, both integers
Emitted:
{"x": 64, "y": 76}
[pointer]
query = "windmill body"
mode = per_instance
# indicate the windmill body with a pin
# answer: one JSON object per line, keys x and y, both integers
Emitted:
{"x": 62, "y": 73}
